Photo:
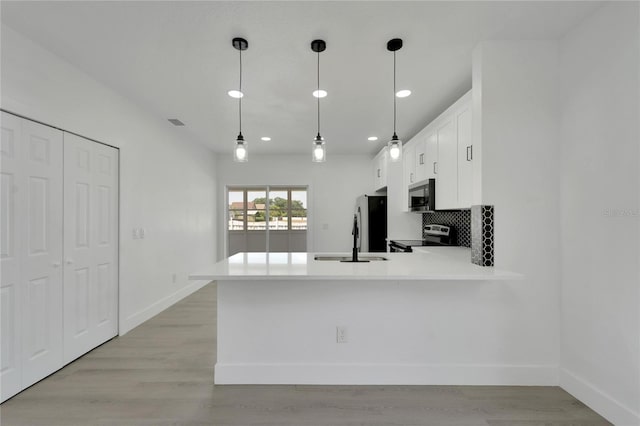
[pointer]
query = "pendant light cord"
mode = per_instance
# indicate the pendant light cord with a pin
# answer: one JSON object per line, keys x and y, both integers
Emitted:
{"x": 241, "y": 94}
{"x": 318, "y": 93}
{"x": 394, "y": 92}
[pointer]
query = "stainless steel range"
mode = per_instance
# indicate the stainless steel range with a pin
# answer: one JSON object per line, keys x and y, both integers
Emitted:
{"x": 434, "y": 235}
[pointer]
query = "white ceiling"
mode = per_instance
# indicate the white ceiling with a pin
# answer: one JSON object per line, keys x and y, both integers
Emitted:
{"x": 176, "y": 60}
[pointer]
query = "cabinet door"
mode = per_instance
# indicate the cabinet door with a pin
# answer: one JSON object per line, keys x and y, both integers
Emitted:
{"x": 421, "y": 160}
{"x": 377, "y": 174}
{"x": 446, "y": 167}
{"x": 90, "y": 245}
{"x": 409, "y": 165}
{"x": 41, "y": 252}
{"x": 383, "y": 167}
{"x": 11, "y": 236}
{"x": 380, "y": 170}
{"x": 431, "y": 156}
{"x": 465, "y": 157}
{"x": 408, "y": 173}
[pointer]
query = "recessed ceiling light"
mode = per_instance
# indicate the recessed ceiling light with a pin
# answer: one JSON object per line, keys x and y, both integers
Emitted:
{"x": 372, "y": 138}
{"x": 235, "y": 94}
{"x": 403, "y": 93}
{"x": 319, "y": 93}
{"x": 265, "y": 138}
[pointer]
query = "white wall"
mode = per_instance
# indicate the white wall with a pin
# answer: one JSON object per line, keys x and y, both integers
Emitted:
{"x": 333, "y": 189}
{"x": 167, "y": 182}
{"x": 515, "y": 83}
{"x": 600, "y": 362}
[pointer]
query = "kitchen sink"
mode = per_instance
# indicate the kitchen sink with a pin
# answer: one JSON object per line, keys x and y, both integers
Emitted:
{"x": 347, "y": 258}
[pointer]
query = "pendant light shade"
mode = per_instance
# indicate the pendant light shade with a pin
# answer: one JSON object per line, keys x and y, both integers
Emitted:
{"x": 318, "y": 149}
{"x": 395, "y": 144}
{"x": 241, "y": 151}
{"x": 318, "y": 154}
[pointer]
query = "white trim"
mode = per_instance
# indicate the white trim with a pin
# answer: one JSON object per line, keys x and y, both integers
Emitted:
{"x": 597, "y": 400}
{"x": 154, "y": 309}
{"x": 386, "y": 374}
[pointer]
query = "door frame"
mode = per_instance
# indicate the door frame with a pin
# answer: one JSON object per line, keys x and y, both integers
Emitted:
{"x": 268, "y": 188}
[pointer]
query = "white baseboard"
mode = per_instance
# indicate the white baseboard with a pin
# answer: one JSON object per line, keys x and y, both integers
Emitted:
{"x": 139, "y": 317}
{"x": 597, "y": 400}
{"x": 386, "y": 374}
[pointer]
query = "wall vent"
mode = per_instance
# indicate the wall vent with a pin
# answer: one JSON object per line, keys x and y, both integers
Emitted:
{"x": 175, "y": 122}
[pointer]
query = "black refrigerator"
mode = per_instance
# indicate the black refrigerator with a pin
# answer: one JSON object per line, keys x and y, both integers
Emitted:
{"x": 371, "y": 213}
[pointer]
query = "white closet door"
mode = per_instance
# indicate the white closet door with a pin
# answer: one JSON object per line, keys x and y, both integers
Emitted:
{"x": 41, "y": 271}
{"x": 90, "y": 245}
{"x": 11, "y": 220}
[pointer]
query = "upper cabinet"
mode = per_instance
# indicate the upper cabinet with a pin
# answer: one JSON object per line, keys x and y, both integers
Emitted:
{"x": 446, "y": 166}
{"x": 409, "y": 164}
{"x": 465, "y": 157}
{"x": 444, "y": 151}
{"x": 380, "y": 170}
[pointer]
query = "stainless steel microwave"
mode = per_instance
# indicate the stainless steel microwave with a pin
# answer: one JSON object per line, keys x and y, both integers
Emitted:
{"x": 422, "y": 196}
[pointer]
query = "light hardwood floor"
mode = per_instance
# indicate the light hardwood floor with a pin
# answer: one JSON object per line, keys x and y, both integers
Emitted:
{"x": 161, "y": 373}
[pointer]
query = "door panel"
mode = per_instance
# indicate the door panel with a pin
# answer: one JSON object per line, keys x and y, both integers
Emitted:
{"x": 105, "y": 235}
{"x": 90, "y": 245}
{"x": 431, "y": 156}
{"x": 420, "y": 164}
{"x": 465, "y": 159}
{"x": 10, "y": 248}
{"x": 41, "y": 274}
{"x": 447, "y": 167}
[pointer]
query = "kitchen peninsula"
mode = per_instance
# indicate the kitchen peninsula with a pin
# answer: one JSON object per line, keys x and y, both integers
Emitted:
{"x": 287, "y": 318}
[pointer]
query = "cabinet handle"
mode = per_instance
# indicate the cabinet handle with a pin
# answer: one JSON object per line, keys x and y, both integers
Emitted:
{"x": 56, "y": 264}
{"x": 378, "y": 172}
{"x": 435, "y": 172}
{"x": 421, "y": 158}
{"x": 69, "y": 261}
{"x": 411, "y": 177}
{"x": 470, "y": 153}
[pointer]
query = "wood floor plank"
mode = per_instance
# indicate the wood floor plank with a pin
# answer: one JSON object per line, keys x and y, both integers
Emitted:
{"x": 161, "y": 374}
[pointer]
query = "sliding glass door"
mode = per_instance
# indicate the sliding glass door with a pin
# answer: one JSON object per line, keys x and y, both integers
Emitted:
{"x": 267, "y": 219}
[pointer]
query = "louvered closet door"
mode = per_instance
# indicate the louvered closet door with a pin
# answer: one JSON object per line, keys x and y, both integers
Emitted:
{"x": 90, "y": 245}
{"x": 41, "y": 271}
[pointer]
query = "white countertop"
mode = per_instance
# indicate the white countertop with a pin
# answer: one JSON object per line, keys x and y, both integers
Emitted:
{"x": 431, "y": 263}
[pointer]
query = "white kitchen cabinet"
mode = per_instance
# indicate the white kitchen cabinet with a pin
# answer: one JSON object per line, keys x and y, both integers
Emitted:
{"x": 446, "y": 168}
{"x": 409, "y": 163}
{"x": 408, "y": 172}
{"x": 34, "y": 281}
{"x": 431, "y": 155}
{"x": 380, "y": 170}
{"x": 420, "y": 159}
{"x": 465, "y": 157}
{"x": 444, "y": 151}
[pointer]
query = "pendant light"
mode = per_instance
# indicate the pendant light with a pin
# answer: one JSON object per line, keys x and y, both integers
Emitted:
{"x": 241, "y": 152}
{"x": 395, "y": 144}
{"x": 319, "y": 150}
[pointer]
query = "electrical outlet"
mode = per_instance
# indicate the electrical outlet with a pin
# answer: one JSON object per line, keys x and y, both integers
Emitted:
{"x": 141, "y": 232}
{"x": 341, "y": 334}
